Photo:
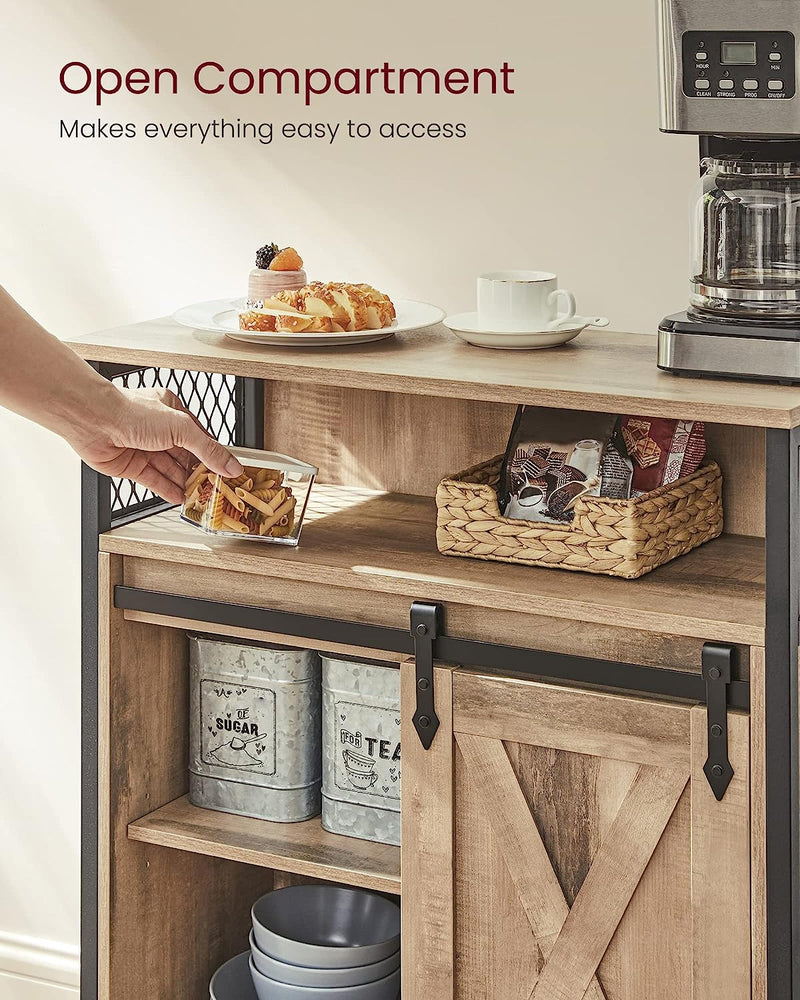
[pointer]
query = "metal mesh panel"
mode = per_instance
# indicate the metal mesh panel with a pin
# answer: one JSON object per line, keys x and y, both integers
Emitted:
{"x": 211, "y": 398}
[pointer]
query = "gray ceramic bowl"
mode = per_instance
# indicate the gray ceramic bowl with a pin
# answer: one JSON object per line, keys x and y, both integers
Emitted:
{"x": 296, "y": 975}
{"x": 326, "y": 926}
{"x": 233, "y": 980}
{"x": 270, "y": 989}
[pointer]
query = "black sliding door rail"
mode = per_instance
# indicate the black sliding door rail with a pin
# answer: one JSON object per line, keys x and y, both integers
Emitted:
{"x": 451, "y": 649}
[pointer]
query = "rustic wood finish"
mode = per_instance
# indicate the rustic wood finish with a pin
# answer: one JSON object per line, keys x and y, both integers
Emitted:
{"x": 720, "y": 853}
{"x": 610, "y": 884}
{"x": 167, "y": 919}
{"x": 298, "y": 848}
{"x": 601, "y": 370}
{"x": 587, "y": 722}
{"x": 741, "y": 453}
{"x": 614, "y": 860}
{"x": 427, "y": 832}
{"x": 369, "y": 438}
{"x": 517, "y": 836}
{"x": 615, "y": 642}
{"x": 713, "y": 593}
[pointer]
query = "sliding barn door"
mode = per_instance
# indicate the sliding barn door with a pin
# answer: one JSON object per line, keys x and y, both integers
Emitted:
{"x": 561, "y": 844}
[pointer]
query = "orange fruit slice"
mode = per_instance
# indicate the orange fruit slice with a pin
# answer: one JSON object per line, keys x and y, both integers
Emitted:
{"x": 287, "y": 260}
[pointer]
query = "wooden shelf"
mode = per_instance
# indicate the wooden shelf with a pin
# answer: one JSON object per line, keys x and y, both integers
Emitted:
{"x": 384, "y": 543}
{"x": 299, "y": 848}
{"x": 602, "y": 371}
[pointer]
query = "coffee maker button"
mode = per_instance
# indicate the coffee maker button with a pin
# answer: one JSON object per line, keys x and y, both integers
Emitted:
{"x": 750, "y": 84}
{"x": 774, "y": 57}
{"x": 701, "y": 84}
{"x": 701, "y": 56}
{"x": 726, "y": 84}
{"x": 775, "y": 84}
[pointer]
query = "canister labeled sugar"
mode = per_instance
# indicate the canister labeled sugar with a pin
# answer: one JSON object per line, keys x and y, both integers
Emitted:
{"x": 361, "y": 749}
{"x": 255, "y": 729}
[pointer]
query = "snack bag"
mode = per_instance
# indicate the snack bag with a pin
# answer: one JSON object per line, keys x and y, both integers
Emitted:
{"x": 553, "y": 457}
{"x": 662, "y": 450}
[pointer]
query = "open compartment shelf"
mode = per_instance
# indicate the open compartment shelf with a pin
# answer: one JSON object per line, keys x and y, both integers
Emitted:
{"x": 298, "y": 848}
{"x": 384, "y": 543}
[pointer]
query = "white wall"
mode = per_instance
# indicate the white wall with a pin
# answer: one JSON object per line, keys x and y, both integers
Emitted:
{"x": 570, "y": 174}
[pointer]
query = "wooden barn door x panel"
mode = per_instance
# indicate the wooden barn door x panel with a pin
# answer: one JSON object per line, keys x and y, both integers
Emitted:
{"x": 572, "y": 940}
{"x": 583, "y": 820}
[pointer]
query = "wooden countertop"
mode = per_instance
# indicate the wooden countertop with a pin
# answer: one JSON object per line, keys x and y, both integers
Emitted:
{"x": 384, "y": 543}
{"x": 602, "y": 371}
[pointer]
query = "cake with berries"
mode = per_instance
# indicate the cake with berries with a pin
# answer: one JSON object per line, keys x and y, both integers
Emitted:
{"x": 276, "y": 271}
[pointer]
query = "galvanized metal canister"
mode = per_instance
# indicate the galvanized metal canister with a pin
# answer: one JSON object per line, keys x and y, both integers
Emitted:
{"x": 361, "y": 749}
{"x": 255, "y": 729}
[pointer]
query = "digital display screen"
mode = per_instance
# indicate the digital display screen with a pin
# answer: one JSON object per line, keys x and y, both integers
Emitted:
{"x": 738, "y": 54}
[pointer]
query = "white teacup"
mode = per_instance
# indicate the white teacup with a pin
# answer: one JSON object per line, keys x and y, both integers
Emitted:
{"x": 521, "y": 301}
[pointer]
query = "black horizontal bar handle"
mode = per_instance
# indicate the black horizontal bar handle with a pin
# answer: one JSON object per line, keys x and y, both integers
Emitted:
{"x": 425, "y": 621}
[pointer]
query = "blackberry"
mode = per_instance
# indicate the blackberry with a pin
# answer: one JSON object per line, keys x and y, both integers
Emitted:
{"x": 266, "y": 255}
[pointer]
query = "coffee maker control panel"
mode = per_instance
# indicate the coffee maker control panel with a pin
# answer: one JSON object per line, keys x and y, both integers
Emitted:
{"x": 750, "y": 65}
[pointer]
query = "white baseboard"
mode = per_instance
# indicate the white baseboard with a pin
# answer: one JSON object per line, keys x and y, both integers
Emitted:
{"x": 32, "y": 968}
{"x": 24, "y": 988}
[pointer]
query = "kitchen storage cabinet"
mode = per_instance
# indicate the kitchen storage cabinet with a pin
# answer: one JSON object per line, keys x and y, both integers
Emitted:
{"x": 588, "y": 810}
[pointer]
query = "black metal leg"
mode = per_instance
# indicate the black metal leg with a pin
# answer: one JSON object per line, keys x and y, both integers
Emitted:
{"x": 781, "y": 717}
{"x": 250, "y": 412}
{"x": 95, "y": 518}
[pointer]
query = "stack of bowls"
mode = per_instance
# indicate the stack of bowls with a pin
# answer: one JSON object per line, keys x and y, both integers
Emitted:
{"x": 317, "y": 942}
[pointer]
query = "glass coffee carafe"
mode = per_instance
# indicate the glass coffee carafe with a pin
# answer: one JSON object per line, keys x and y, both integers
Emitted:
{"x": 746, "y": 241}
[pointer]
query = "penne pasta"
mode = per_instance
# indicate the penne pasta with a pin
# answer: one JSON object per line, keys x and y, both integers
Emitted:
{"x": 285, "y": 508}
{"x": 195, "y": 476}
{"x": 229, "y": 495}
{"x": 256, "y": 503}
{"x": 230, "y": 524}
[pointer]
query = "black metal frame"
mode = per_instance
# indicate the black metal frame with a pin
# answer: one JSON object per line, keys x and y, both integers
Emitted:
{"x": 98, "y": 516}
{"x": 781, "y": 694}
{"x": 781, "y": 716}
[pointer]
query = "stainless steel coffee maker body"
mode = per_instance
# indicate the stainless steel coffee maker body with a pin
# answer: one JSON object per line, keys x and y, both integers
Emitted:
{"x": 728, "y": 67}
{"x": 728, "y": 73}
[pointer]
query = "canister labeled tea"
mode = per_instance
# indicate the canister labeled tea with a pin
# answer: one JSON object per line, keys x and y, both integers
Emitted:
{"x": 361, "y": 749}
{"x": 255, "y": 729}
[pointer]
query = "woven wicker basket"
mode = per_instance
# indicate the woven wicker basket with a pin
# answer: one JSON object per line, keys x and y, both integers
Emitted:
{"x": 625, "y": 538}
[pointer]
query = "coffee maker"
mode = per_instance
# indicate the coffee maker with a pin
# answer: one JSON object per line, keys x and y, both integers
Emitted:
{"x": 727, "y": 73}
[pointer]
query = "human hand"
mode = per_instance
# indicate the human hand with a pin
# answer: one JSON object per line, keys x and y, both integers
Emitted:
{"x": 147, "y": 435}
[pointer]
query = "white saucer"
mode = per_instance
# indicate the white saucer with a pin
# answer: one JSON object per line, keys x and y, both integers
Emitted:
{"x": 467, "y": 328}
{"x": 222, "y": 316}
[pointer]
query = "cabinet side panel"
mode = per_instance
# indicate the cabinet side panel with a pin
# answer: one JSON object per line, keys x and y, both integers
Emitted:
{"x": 740, "y": 452}
{"x": 167, "y": 918}
{"x": 427, "y": 839}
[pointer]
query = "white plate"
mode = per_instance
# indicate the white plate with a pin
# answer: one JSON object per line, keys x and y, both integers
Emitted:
{"x": 222, "y": 316}
{"x": 465, "y": 326}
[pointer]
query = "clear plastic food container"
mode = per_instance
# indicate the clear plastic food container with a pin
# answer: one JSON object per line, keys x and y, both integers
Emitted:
{"x": 267, "y": 502}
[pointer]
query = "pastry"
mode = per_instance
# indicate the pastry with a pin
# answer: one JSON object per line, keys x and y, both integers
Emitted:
{"x": 275, "y": 271}
{"x": 335, "y": 307}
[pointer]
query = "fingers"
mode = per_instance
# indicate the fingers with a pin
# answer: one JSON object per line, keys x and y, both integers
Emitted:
{"x": 160, "y": 484}
{"x": 168, "y": 398}
{"x": 182, "y": 456}
{"x": 164, "y": 463}
{"x": 193, "y": 438}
